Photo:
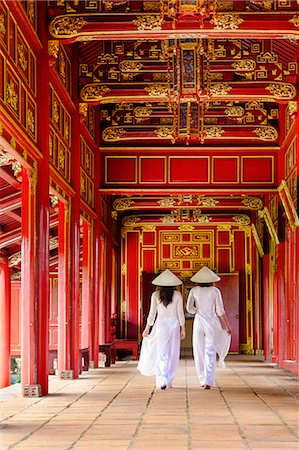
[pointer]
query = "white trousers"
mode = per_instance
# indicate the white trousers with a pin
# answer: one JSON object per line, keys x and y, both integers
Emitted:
{"x": 204, "y": 352}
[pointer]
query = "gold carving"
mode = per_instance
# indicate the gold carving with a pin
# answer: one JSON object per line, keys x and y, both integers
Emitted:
{"x": 11, "y": 96}
{"x": 13, "y": 143}
{"x": 93, "y": 92}
{"x": 2, "y": 25}
{"x": 130, "y": 66}
{"x": 113, "y": 134}
{"x": 22, "y": 58}
{"x": 54, "y": 200}
{"x": 242, "y": 219}
{"x": 207, "y": 201}
{"x": 292, "y": 107}
{"x": 253, "y": 202}
{"x": 187, "y": 251}
{"x": 65, "y": 26}
{"x": 61, "y": 158}
{"x": 224, "y": 6}
{"x": 165, "y": 132}
{"x": 83, "y": 109}
{"x": 264, "y": 214}
{"x": 282, "y": 90}
{"x": 219, "y": 89}
{"x": 295, "y": 21}
{"x": 226, "y": 21}
{"x": 154, "y": 22}
{"x": 124, "y": 269}
{"x": 121, "y": 204}
{"x": 130, "y": 221}
{"x": 142, "y": 111}
{"x": 257, "y": 240}
{"x": 53, "y": 48}
{"x": 168, "y": 201}
{"x": 244, "y": 64}
{"x": 30, "y": 121}
{"x": 201, "y": 218}
{"x": 266, "y": 133}
{"x": 213, "y": 132}
{"x": 186, "y": 227}
{"x": 148, "y": 228}
{"x": 224, "y": 227}
{"x": 15, "y": 259}
{"x": 157, "y": 90}
{"x": 234, "y": 111}
{"x": 288, "y": 205}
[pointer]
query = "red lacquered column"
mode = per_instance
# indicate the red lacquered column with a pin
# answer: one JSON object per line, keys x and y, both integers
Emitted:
{"x": 28, "y": 333}
{"x": 63, "y": 351}
{"x": 85, "y": 320}
{"x": 95, "y": 296}
{"x": 4, "y": 322}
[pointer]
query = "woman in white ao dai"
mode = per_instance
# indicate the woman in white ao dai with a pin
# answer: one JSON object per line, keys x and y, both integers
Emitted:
{"x": 160, "y": 351}
{"x": 209, "y": 338}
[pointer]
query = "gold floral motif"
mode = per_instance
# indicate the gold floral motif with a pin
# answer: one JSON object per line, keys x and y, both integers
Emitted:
{"x": 55, "y": 112}
{"x": 82, "y": 185}
{"x": 130, "y": 66}
{"x": 53, "y": 48}
{"x": 213, "y": 132}
{"x": 219, "y": 89}
{"x": 187, "y": 251}
{"x": 264, "y": 214}
{"x": 121, "y": 204}
{"x": 22, "y": 58}
{"x": 226, "y": 21}
{"x": 142, "y": 111}
{"x": 295, "y": 21}
{"x": 244, "y": 64}
{"x": 186, "y": 227}
{"x": 234, "y": 111}
{"x": 65, "y": 26}
{"x": 253, "y": 202}
{"x": 62, "y": 68}
{"x": 2, "y": 25}
{"x": 30, "y": 121}
{"x": 224, "y": 6}
{"x": 130, "y": 221}
{"x": 165, "y": 132}
{"x": 61, "y": 158}
{"x": 124, "y": 269}
{"x": 113, "y": 134}
{"x": 54, "y": 200}
{"x": 207, "y": 201}
{"x": 5, "y": 157}
{"x": 292, "y": 107}
{"x": 30, "y": 10}
{"x": 241, "y": 219}
{"x": 167, "y": 201}
{"x": 154, "y": 22}
{"x": 224, "y": 227}
{"x": 157, "y": 90}
{"x": 92, "y": 92}
{"x": 266, "y": 133}
{"x": 282, "y": 90}
{"x": 13, "y": 143}
{"x": 151, "y": 6}
{"x": 148, "y": 228}
{"x": 216, "y": 76}
{"x": 83, "y": 109}
{"x": 170, "y": 218}
{"x": 16, "y": 167}
{"x": 11, "y": 96}
{"x": 201, "y": 218}
{"x": 14, "y": 259}
{"x": 114, "y": 215}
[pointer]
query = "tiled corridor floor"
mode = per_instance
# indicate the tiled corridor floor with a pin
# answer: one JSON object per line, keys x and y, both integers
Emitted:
{"x": 252, "y": 406}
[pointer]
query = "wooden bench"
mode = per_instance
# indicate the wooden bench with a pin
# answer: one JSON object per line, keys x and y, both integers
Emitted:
{"x": 126, "y": 344}
{"x": 107, "y": 349}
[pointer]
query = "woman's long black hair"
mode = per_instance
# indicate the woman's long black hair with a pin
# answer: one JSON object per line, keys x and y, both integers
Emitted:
{"x": 166, "y": 293}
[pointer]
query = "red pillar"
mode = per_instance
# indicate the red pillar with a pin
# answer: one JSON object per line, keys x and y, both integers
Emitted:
{"x": 28, "y": 334}
{"x": 108, "y": 290}
{"x": 95, "y": 295}
{"x": 63, "y": 350}
{"x": 102, "y": 289}
{"x": 4, "y": 322}
{"x": 42, "y": 207}
{"x": 74, "y": 291}
{"x": 85, "y": 320}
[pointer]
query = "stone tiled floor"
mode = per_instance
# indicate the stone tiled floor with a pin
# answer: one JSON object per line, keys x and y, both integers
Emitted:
{"x": 253, "y": 406}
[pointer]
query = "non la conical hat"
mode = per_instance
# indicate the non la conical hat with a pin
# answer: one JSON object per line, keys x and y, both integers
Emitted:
{"x": 205, "y": 275}
{"x": 167, "y": 278}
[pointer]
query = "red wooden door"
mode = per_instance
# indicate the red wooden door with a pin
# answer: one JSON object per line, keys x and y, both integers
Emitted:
{"x": 229, "y": 287}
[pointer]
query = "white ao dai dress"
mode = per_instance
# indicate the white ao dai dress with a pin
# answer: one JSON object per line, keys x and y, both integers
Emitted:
{"x": 209, "y": 337}
{"x": 160, "y": 350}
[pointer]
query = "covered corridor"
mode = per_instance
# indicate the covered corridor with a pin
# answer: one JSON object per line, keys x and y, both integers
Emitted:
{"x": 253, "y": 406}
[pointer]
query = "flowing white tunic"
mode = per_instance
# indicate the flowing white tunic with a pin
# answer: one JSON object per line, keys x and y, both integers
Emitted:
{"x": 160, "y": 350}
{"x": 208, "y": 335}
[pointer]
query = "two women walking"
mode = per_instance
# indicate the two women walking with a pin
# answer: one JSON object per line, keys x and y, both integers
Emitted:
{"x": 160, "y": 350}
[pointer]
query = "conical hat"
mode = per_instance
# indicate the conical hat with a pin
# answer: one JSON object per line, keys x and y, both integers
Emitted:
{"x": 167, "y": 278}
{"x": 205, "y": 275}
